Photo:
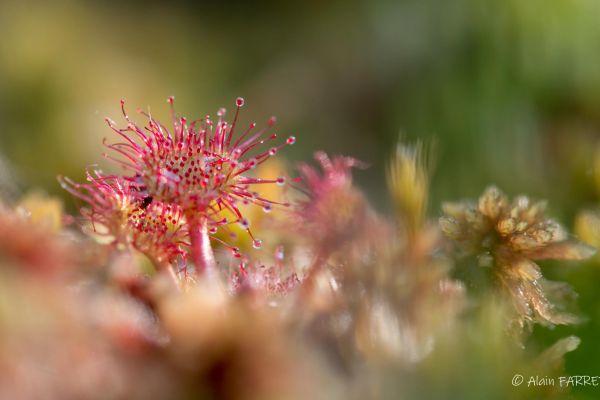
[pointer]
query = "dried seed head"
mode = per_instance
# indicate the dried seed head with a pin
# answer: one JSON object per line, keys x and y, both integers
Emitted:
{"x": 520, "y": 226}
{"x": 515, "y": 235}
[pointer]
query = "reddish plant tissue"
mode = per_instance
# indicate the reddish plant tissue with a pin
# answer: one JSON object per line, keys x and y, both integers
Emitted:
{"x": 187, "y": 175}
{"x": 116, "y": 211}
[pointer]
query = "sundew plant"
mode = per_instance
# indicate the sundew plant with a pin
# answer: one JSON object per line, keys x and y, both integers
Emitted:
{"x": 178, "y": 182}
{"x": 202, "y": 268}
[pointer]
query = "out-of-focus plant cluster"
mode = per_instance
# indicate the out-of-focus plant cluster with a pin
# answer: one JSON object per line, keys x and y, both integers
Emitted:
{"x": 160, "y": 289}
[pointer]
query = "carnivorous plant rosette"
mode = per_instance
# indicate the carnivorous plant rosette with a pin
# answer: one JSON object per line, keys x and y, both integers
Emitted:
{"x": 191, "y": 173}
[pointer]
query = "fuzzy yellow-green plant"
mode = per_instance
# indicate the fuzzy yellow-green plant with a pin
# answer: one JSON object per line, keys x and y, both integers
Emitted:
{"x": 408, "y": 180}
{"x": 587, "y": 221}
{"x": 587, "y": 227}
{"x": 409, "y": 295}
{"x": 43, "y": 209}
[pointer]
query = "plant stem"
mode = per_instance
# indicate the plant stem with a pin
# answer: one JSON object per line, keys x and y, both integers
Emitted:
{"x": 162, "y": 266}
{"x": 174, "y": 277}
{"x": 309, "y": 280}
{"x": 202, "y": 253}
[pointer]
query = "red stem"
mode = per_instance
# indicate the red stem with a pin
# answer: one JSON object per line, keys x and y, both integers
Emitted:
{"x": 202, "y": 253}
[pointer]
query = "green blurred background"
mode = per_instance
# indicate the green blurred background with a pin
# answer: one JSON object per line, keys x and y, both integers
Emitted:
{"x": 509, "y": 91}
